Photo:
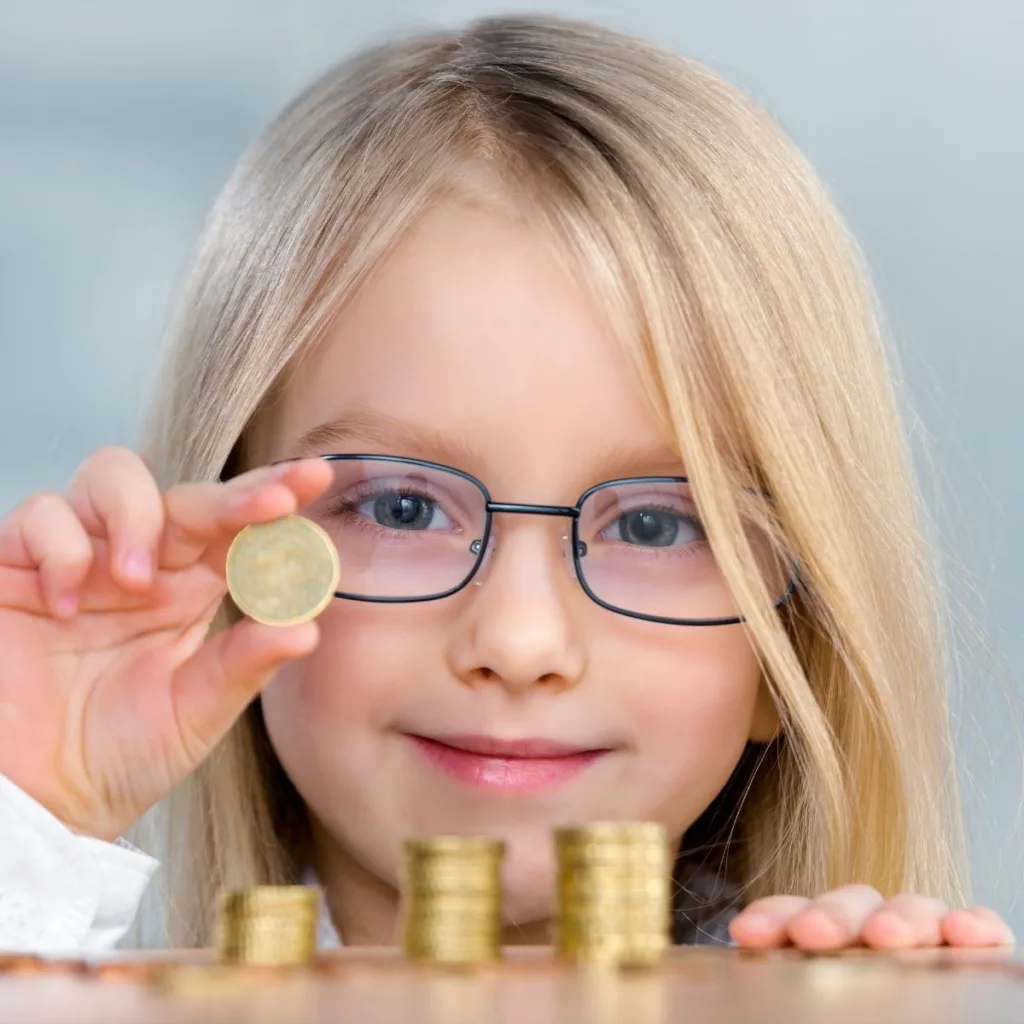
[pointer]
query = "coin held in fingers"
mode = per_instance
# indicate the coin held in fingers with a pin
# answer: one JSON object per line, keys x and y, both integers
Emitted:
{"x": 284, "y": 572}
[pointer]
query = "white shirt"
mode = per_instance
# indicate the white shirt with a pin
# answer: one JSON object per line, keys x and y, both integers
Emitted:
{"x": 62, "y": 893}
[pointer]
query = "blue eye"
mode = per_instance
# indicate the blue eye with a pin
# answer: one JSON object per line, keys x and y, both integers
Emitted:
{"x": 397, "y": 510}
{"x": 403, "y": 511}
{"x": 648, "y": 528}
{"x": 654, "y": 528}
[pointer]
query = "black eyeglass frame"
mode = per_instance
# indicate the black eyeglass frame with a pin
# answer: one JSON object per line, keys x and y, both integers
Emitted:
{"x": 579, "y": 547}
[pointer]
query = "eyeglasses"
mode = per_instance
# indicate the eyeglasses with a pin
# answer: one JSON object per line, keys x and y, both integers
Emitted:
{"x": 407, "y": 530}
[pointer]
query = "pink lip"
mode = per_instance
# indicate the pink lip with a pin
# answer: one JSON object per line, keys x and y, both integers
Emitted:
{"x": 520, "y": 766}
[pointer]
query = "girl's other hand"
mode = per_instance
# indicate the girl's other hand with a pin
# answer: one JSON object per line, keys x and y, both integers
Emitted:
{"x": 109, "y": 692}
{"x": 857, "y": 915}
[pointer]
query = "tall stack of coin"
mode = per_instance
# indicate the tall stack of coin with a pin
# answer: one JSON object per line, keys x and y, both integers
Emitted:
{"x": 452, "y": 899}
{"x": 268, "y": 925}
{"x": 612, "y": 893}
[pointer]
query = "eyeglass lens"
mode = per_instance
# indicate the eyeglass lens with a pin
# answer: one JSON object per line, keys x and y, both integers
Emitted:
{"x": 408, "y": 531}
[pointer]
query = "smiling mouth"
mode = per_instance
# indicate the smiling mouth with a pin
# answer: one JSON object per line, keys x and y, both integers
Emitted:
{"x": 517, "y": 766}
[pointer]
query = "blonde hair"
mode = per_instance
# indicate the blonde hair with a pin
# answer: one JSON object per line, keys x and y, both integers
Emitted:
{"x": 738, "y": 292}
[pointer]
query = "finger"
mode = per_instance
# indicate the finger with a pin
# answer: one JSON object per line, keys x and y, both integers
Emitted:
{"x": 215, "y": 686}
{"x": 116, "y": 497}
{"x": 46, "y": 536}
{"x": 905, "y": 922}
{"x": 976, "y": 926}
{"x": 763, "y": 924}
{"x": 835, "y": 920}
{"x": 199, "y": 514}
{"x": 307, "y": 479}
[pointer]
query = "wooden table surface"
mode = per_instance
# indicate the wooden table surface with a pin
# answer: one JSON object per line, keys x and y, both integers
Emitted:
{"x": 376, "y": 987}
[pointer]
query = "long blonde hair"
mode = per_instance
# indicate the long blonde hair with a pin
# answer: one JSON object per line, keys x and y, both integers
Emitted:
{"x": 737, "y": 291}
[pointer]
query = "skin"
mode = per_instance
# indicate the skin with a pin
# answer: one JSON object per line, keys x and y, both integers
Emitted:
{"x": 473, "y": 338}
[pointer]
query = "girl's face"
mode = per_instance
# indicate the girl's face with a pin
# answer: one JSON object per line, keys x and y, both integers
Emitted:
{"x": 472, "y": 346}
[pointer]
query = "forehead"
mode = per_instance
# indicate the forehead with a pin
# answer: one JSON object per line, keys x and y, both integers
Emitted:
{"x": 477, "y": 335}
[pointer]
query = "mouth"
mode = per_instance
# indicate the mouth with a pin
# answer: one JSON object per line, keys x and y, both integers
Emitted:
{"x": 511, "y": 766}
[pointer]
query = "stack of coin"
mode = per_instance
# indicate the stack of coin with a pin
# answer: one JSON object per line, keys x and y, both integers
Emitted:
{"x": 612, "y": 893}
{"x": 268, "y": 925}
{"x": 452, "y": 899}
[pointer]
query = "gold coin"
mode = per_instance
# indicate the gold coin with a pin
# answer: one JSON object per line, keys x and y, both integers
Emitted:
{"x": 268, "y": 925}
{"x": 271, "y": 946}
{"x": 440, "y": 944}
{"x": 604, "y": 889}
{"x": 451, "y": 848}
{"x": 452, "y": 899}
{"x": 270, "y": 899}
{"x": 283, "y": 573}
{"x": 613, "y": 893}
{"x": 486, "y": 919}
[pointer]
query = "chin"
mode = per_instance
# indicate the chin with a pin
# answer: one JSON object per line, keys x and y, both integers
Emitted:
{"x": 529, "y": 878}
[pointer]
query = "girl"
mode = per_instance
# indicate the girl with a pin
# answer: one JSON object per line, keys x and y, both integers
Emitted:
{"x": 560, "y": 339}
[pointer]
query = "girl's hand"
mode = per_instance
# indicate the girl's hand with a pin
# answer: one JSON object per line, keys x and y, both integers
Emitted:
{"x": 857, "y": 915}
{"x": 109, "y": 692}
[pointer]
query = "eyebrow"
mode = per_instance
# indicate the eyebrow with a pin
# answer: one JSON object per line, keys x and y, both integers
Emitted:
{"x": 386, "y": 434}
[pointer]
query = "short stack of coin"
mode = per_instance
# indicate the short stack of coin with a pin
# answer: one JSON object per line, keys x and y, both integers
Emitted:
{"x": 612, "y": 893}
{"x": 268, "y": 925}
{"x": 452, "y": 899}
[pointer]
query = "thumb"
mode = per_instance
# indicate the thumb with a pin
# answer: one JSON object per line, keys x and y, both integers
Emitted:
{"x": 212, "y": 689}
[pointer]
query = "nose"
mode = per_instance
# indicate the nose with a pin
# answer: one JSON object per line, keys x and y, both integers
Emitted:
{"x": 519, "y": 628}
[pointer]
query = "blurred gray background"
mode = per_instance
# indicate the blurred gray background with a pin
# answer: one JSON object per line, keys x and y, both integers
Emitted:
{"x": 120, "y": 120}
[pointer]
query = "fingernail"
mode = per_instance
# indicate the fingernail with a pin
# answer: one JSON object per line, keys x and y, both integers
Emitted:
{"x": 758, "y": 920}
{"x": 137, "y": 564}
{"x": 242, "y": 498}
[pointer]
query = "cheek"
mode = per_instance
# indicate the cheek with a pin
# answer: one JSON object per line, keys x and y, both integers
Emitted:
{"x": 323, "y": 712}
{"x": 692, "y": 700}
{"x": 359, "y": 668}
